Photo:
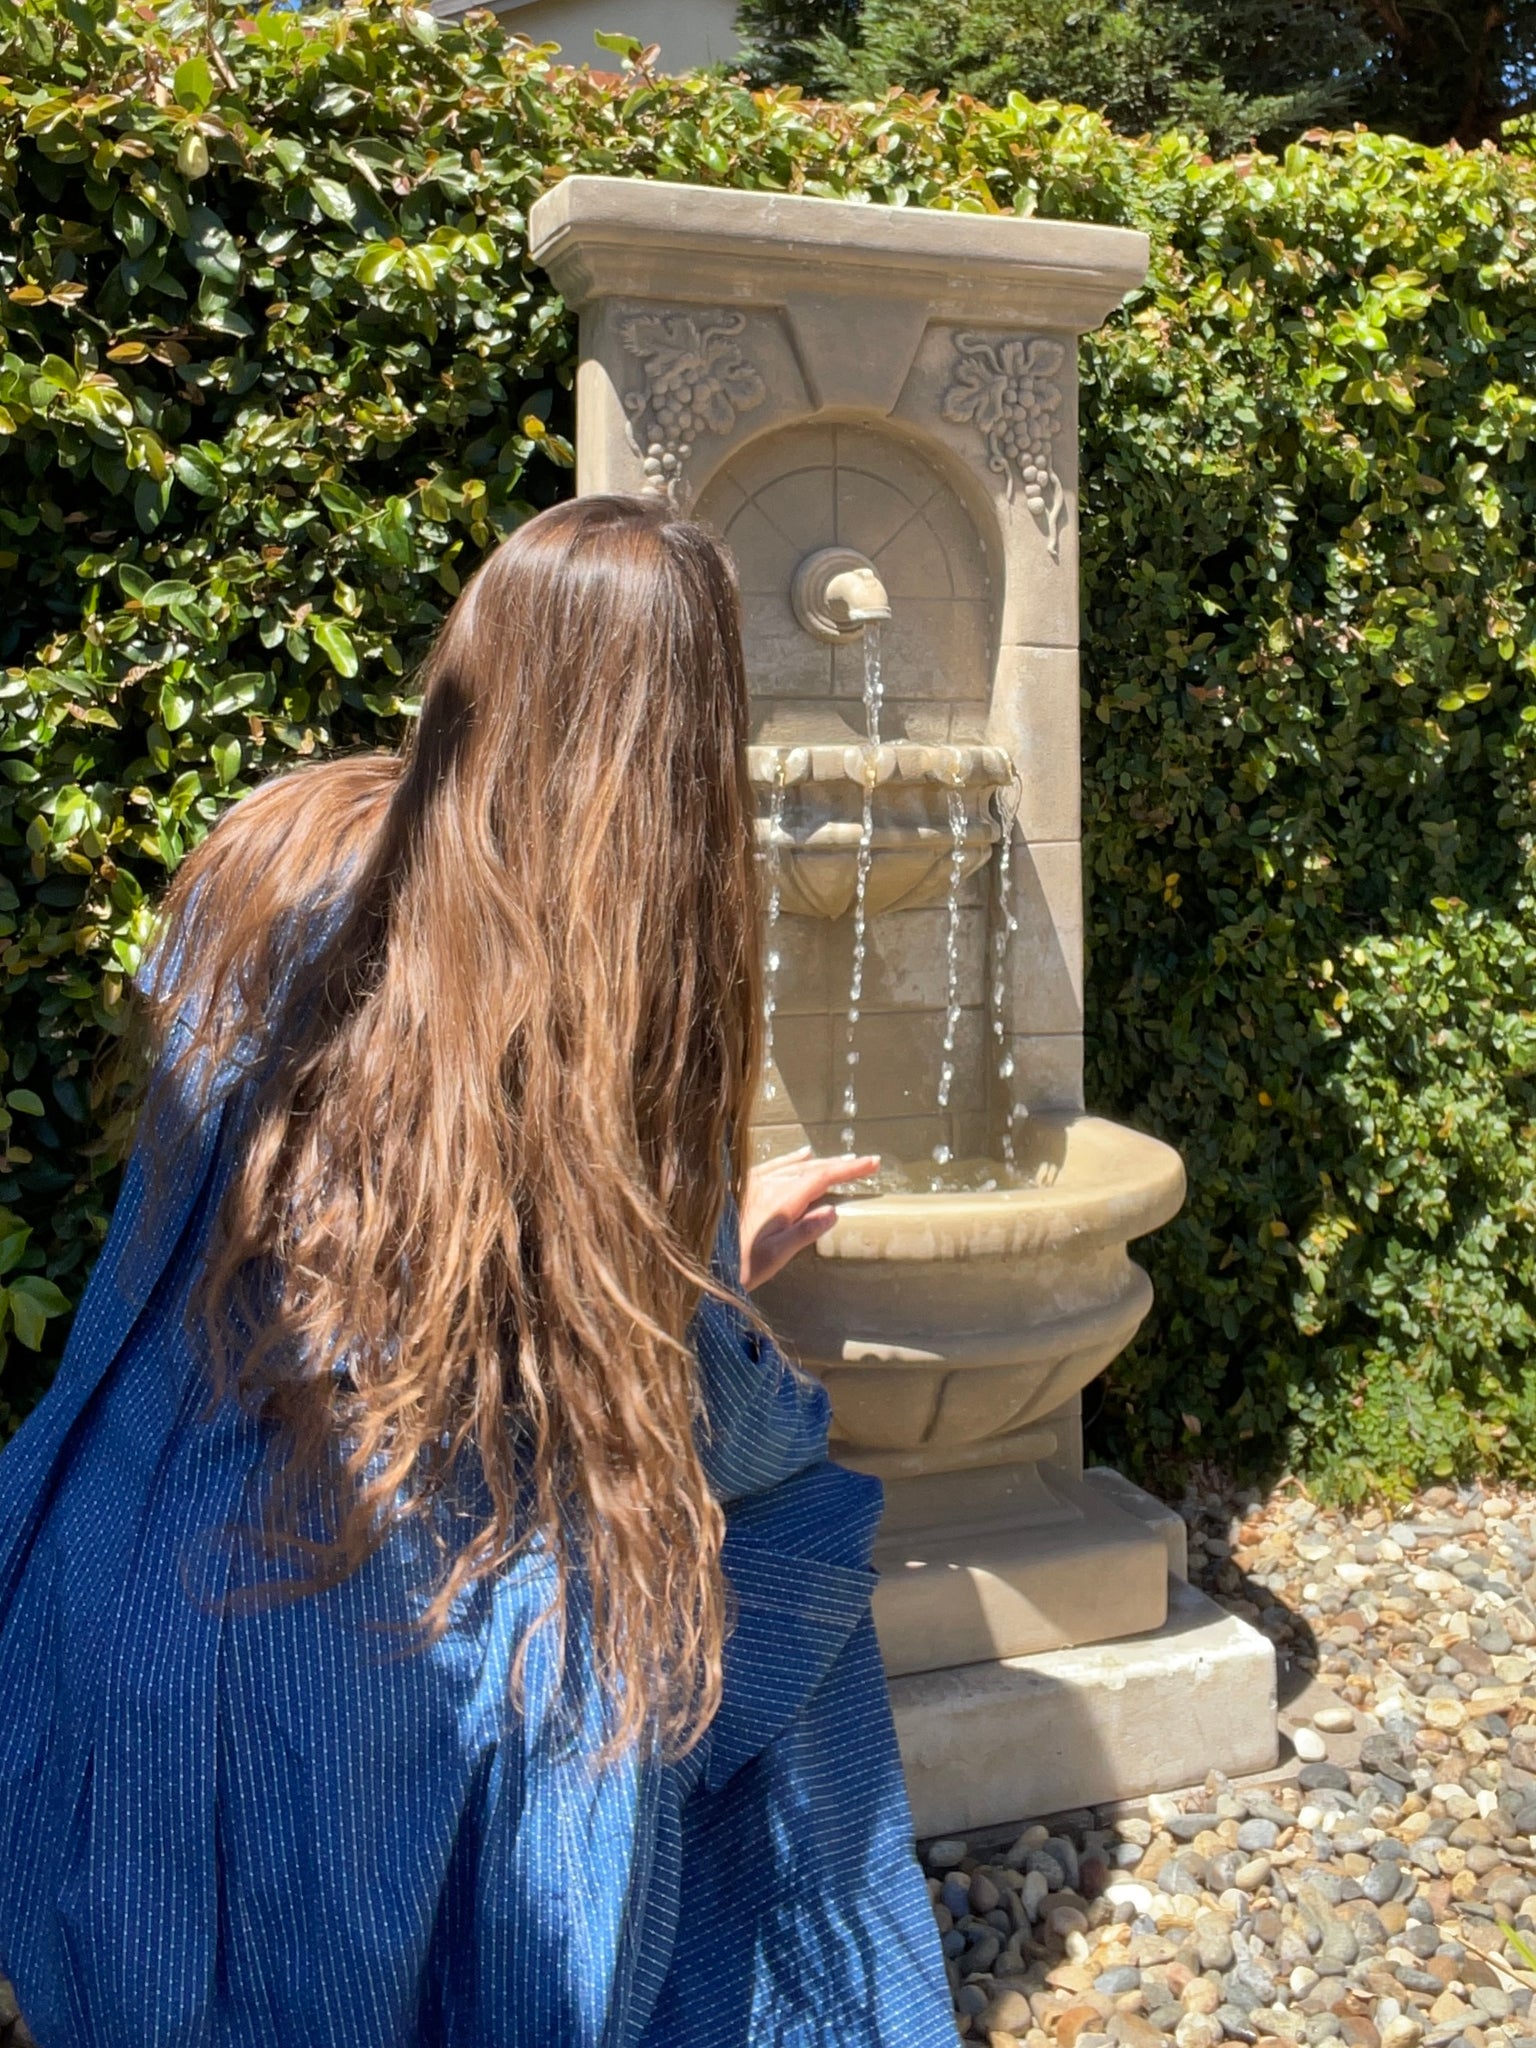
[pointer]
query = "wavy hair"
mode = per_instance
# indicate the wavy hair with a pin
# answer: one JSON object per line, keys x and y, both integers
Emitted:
{"x": 503, "y": 990}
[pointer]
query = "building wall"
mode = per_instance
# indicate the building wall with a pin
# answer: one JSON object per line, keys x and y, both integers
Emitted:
{"x": 690, "y": 32}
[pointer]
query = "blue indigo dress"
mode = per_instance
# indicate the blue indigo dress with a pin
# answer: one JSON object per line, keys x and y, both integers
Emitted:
{"x": 225, "y": 1827}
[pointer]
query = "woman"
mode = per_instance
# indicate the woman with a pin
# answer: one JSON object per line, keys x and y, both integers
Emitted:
{"x": 427, "y": 1612}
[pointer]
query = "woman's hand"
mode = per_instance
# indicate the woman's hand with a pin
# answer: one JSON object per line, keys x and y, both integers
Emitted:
{"x": 784, "y": 1207}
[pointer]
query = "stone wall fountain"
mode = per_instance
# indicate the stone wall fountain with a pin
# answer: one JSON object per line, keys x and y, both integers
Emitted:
{"x": 877, "y": 409}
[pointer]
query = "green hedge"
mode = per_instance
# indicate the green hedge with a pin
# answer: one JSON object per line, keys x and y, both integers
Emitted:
{"x": 1309, "y": 530}
{"x": 275, "y": 375}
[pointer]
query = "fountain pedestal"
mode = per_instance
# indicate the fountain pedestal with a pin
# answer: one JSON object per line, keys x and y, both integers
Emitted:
{"x": 876, "y": 407}
{"x": 998, "y": 1563}
{"x": 949, "y": 1327}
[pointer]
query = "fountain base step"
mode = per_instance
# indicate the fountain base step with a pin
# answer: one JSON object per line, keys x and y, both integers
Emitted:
{"x": 1003, "y": 1741}
{"x": 1010, "y": 1561}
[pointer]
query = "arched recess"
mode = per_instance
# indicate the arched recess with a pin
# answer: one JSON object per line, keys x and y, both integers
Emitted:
{"x": 859, "y": 484}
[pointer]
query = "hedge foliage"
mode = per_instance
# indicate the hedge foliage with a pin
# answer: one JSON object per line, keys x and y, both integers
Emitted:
{"x": 1310, "y": 643}
{"x": 275, "y": 374}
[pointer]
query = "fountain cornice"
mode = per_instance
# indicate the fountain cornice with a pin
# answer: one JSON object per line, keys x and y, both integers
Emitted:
{"x": 598, "y": 237}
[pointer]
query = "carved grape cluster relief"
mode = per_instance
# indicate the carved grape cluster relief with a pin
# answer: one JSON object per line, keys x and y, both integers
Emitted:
{"x": 1008, "y": 390}
{"x": 696, "y": 381}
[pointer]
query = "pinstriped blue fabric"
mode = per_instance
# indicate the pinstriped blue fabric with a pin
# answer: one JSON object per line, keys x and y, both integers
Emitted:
{"x": 222, "y": 1827}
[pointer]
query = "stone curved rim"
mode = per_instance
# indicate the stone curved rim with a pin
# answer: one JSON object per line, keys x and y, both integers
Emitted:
{"x": 1142, "y": 1190}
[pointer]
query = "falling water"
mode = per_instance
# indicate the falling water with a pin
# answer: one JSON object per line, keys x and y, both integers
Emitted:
{"x": 1007, "y": 924}
{"x": 771, "y": 952}
{"x": 856, "y": 979}
{"x": 874, "y": 691}
{"x": 874, "y": 685}
{"x": 942, "y": 1153}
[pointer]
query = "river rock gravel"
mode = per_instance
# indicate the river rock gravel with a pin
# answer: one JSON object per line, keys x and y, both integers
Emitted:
{"x": 1379, "y": 1892}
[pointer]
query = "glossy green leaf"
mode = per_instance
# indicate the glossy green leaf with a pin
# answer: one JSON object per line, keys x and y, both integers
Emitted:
{"x": 14, "y": 1238}
{"x": 32, "y": 1301}
{"x": 335, "y": 642}
{"x": 177, "y": 706}
{"x": 195, "y": 470}
{"x": 334, "y": 199}
{"x": 375, "y": 263}
{"x": 211, "y": 248}
{"x": 193, "y": 82}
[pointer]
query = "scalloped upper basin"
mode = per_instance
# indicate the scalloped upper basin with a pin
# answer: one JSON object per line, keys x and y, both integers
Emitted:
{"x": 932, "y": 815}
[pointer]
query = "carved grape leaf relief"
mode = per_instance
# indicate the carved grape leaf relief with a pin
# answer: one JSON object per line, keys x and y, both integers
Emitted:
{"x": 697, "y": 381}
{"x": 1008, "y": 390}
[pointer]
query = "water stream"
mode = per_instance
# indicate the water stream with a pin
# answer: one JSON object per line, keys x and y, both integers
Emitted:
{"x": 771, "y": 956}
{"x": 943, "y": 1152}
{"x": 856, "y": 977}
{"x": 874, "y": 683}
{"x": 874, "y": 691}
{"x": 1007, "y": 924}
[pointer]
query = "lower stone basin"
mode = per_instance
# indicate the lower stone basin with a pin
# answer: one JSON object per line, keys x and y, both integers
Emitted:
{"x": 947, "y": 1326}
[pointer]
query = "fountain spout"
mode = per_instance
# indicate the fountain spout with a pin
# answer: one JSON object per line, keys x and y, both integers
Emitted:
{"x": 860, "y": 595}
{"x": 836, "y": 593}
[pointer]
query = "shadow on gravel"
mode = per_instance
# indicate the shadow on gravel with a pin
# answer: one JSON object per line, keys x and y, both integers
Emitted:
{"x": 1209, "y": 1522}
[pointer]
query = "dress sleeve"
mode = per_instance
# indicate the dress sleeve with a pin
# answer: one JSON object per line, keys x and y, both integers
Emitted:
{"x": 764, "y": 1420}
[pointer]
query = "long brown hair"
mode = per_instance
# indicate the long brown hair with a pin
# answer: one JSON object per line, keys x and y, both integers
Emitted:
{"x": 504, "y": 992}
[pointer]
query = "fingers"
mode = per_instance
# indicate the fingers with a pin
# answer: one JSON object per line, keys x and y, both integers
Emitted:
{"x": 789, "y": 1185}
{"x": 839, "y": 1166}
{"x": 786, "y": 1207}
{"x": 805, "y": 1230}
{"x": 842, "y": 1165}
{"x": 815, "y": 1177}
{"x": 776, "y": 1247}
{"x": 784, "y": 1171}
{"x": 783, "y": 1160}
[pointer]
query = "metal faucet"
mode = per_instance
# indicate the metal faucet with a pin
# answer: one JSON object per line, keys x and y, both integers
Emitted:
{"x": 837, "y": 592}
{"x": 857, "y": 595}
